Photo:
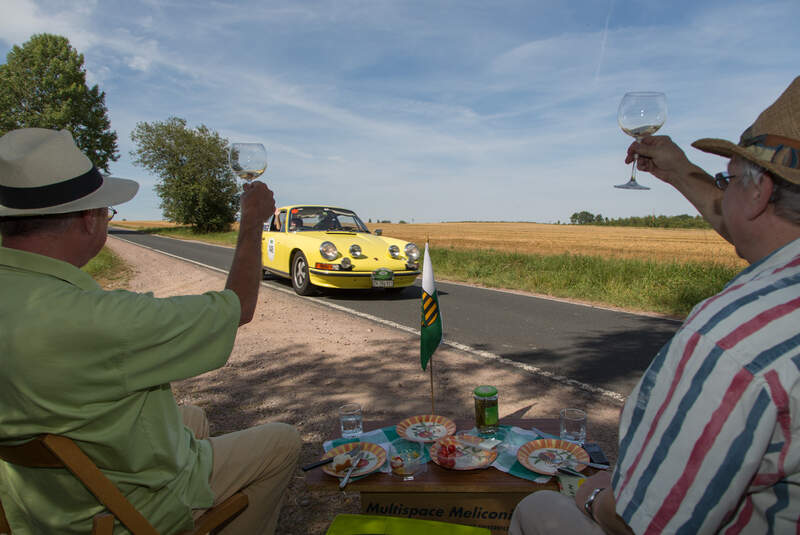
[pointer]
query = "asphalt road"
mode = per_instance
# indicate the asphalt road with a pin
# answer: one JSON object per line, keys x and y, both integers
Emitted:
{"x": 601, "y": 348}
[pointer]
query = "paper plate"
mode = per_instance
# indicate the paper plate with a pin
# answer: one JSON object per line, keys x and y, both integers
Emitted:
{"x": 542, "y": 456}
{"x": 373, "y": 460}
{"x": 425, "y": 428}
{"x": 467, "y": 455}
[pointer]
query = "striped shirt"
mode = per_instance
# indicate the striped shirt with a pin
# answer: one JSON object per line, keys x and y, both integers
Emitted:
{"x": 709, "y": 437}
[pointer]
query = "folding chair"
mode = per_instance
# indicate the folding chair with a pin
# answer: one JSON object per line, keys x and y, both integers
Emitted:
{"x": 54, "y": 451}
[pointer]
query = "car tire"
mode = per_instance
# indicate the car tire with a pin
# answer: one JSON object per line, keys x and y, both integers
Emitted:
{"x": 266, "y": 274}
{"x": 301, "y": 282}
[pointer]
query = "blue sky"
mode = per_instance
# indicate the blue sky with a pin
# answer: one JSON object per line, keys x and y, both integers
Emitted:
{"x": 430, "y": 111}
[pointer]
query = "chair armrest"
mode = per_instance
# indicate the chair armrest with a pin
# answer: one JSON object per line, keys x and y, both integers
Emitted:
{"x": 218, "y": 514}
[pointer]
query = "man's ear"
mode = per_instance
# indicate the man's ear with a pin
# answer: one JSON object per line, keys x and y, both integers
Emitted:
{"x": 89, "y": 221}
{"x": 759, "y": 196}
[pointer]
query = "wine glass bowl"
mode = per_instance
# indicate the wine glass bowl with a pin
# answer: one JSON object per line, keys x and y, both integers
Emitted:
{"x": 248, "y": 160}
{"x": 640, "y": 114}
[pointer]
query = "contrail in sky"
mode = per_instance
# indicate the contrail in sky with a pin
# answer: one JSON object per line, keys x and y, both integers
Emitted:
{"x": 603, "y": 43}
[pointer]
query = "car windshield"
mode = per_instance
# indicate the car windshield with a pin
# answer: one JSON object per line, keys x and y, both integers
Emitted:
{"x": 305, "y": 218}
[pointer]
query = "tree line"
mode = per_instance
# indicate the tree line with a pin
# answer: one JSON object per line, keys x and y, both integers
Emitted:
{"x": 653, "y": 221}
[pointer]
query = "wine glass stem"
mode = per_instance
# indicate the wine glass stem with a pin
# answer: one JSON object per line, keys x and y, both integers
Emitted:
{"x": 635, "y": 161}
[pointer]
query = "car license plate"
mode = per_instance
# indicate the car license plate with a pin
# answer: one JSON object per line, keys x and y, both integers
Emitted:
{"x": 383, "y": 278}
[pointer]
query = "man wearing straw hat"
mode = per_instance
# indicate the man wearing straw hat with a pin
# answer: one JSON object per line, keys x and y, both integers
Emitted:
{"x": 707, "y": 439}
{"x": 96, "y": 365}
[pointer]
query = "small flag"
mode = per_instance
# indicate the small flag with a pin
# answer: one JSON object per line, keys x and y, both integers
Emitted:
{"x": 431, "y": 329}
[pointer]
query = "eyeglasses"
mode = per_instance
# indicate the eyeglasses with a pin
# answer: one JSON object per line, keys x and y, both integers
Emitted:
{"x": 111, "y": 213}
{"x": 721, "y": 180}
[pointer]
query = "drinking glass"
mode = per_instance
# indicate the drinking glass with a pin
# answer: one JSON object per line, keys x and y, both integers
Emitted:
{"x": 407, "y": 458}
{"x": 350, "y": 420}
{"x": 573, "y": 425}
{"x": 640, "y": 114}
{"x": 248, "y": 160}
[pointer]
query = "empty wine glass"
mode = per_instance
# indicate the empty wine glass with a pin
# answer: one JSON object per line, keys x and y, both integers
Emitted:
{"x": 641, "y": 114}
{"x": 248, "y": 160}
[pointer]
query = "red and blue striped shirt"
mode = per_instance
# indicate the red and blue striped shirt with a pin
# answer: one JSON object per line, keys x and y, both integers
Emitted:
{"x": 709, "y": 437}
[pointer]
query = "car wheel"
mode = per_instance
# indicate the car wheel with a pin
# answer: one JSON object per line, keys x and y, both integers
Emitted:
{"x": 300, "y": 279}
{"x": 265, "y": 274}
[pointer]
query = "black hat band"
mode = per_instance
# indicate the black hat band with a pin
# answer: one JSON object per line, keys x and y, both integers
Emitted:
{"x": 53, "y": 194}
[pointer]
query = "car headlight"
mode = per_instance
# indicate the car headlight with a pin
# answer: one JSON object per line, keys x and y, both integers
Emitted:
{"x": 328, "y": 250}
{"x": 394, "y": 251}
{"x": 412, "y": 252}
{"x": 355, "y": 251}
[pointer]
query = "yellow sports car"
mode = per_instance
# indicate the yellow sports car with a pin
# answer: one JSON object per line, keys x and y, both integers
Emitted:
{"x": 323, "y": 246}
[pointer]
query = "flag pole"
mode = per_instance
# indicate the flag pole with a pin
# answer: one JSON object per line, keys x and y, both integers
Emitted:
{"x": 433, "y": 406}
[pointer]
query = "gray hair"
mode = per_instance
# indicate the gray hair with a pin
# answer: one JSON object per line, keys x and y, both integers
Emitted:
{"x": 38, "y": 224}
{"x": 785, "y": 195}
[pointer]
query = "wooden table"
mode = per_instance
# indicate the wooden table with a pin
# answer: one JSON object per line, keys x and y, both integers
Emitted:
{"x": 485, "y": 498}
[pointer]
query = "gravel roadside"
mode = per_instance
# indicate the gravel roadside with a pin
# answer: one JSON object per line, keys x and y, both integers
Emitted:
{"x": 298, "y": 360}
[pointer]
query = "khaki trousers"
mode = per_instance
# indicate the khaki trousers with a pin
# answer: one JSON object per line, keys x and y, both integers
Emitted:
{"x": 548, "y": 512}
{"x": 258, "y": 461}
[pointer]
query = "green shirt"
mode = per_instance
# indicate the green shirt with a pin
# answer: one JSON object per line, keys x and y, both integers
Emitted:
{"x": 95, "y": 366}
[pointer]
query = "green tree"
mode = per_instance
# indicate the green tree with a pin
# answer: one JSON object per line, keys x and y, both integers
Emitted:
{"x": 197, "y": 187}
{"x": 43, "y": 84}
{"x": 582, "y": 218}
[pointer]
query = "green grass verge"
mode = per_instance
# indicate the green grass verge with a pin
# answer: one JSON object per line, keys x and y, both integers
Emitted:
{"x": 108, "y": 269}
{"x": 665, "y": 288}
{"x": 662, "y": 287}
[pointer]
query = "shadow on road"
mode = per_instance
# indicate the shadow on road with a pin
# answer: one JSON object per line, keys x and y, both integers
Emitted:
{"x": 616, "y": 358}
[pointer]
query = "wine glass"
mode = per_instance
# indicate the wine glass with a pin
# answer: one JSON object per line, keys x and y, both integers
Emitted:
{"x": 641, "y": 114}
{"x": 248, "y": 160}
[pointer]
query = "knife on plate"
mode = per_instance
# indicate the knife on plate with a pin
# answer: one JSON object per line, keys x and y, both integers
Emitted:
{"x": 593, "y": 465}
{"x": 346, "y": 478}
{"x": 308, "y": 467}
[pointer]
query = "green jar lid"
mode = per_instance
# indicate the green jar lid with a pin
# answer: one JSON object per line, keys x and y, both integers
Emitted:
{"x": 485, "y": 391}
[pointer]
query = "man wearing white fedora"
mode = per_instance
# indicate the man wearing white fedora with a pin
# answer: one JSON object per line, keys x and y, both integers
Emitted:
{"x": 708, "y": 438}
{"x": 96, "y": 365}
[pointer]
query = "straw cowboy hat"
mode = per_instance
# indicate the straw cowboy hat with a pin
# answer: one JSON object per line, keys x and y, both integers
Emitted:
{"x": 43, "y": 172}
{"x": 772, "y": 142}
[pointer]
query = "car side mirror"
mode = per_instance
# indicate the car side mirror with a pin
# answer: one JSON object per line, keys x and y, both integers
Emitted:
{"x": 378, "y": 232}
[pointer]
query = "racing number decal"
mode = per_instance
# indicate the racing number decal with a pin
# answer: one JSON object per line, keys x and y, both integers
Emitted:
{"x": 271, "y": 249}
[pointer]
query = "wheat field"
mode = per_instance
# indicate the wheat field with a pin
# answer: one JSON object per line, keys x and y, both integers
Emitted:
{"x": 663, "y": 245}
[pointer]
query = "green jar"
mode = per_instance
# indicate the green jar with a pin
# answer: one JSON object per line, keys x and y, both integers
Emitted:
{"x": 486, "y": 414}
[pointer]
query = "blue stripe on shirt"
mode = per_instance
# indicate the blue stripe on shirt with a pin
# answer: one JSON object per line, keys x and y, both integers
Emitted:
{"x": 673, "y": 430}
{"x": 726, "y": 311}
{"x": 728, "y": 470}
{"x": 781, "y": 491}
{"x": 647, "y": 383}
{"x": 768, "y": 357}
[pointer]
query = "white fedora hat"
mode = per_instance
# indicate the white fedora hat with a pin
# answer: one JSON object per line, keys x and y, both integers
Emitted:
{"x": 44, "y": 172}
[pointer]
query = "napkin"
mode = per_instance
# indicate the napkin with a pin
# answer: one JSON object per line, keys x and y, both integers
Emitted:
{"x": 513, "y": 438}
{"x": 382, "y": 437}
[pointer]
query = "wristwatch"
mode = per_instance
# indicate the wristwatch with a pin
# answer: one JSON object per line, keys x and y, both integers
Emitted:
{"x": 589, "y": 505}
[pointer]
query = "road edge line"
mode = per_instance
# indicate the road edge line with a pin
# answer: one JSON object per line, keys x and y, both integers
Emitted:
{"x": 486, "y": 355}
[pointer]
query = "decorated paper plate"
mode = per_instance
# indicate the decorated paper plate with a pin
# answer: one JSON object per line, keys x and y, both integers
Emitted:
{"x": 461, "y": 453}
{"x": 425, "y": 428}
{"x": 544, "y": 456}
{"x": 373, "y": 459}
